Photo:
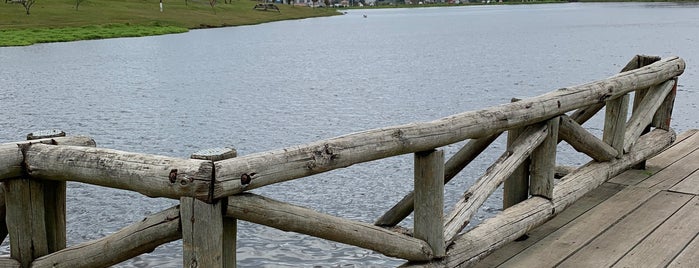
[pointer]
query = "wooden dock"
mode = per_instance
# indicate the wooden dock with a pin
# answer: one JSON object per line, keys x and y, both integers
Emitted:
{"x": 640, "y": 218}
{"x": 623, "y": 214}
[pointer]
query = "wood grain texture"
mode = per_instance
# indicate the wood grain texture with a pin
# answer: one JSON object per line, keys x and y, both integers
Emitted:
{"x": 615, "y": 123}
{"x": 594, "y": 174}
{"x": 151, "y": 175}
{"x": 325, "y": 155}
{"x": 554, "y": 248}
{"x": 11, "y": 155}
{"x": 660, "y": 247}
{"x": 131, "y": 241}
{"x": 615, "y": 242}
{"x": 543, "y": 162}
{"x": 429, "y": 200}
{"x": 515, "y": 188}
{"x": 685, "y": 144}
{"x": 287, "y": 217}
{"x": 202, "y": 233}
{"x": 688, "y": 257}
{"x": 25, "y": 216}
{"x": 584, "y": 204}
{"x": 583, "y": 141}
{"x": 208, "y": 238}
{"x": 675, "y": 173}
{"x": 512, "y": 223}
{"x": 640, "y": 119}
{"x": 689, "y": 185}
{"x": 663, "y": 116}
{"x": 3, "y": 213}
{"x": 469, "y": 203}
{"x": 451, "y": 168}
{"x": 9, "y": 263}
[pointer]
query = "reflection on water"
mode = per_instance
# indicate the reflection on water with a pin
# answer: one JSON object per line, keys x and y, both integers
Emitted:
{"x": 285, "y": 83}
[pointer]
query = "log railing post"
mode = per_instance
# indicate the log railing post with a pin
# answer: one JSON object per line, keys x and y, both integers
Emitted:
{"x": 615, "y": 123}
{"x": 516, "y": 186}
{"x": 208, "y": 238}
{"x": 54, "y": 201}
{"x": 663, "y": 115}
{"x": 543, "y": 162}
{"x": 35, "y": 213}
{"x": 429, "y": 200}
{"x": 640, "y": 94}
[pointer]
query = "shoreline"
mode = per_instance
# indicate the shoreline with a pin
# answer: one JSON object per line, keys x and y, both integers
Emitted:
{"x": 103, "y": 19}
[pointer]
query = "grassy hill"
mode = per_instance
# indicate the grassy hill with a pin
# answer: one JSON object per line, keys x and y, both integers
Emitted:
{"x": 59, "y": 20}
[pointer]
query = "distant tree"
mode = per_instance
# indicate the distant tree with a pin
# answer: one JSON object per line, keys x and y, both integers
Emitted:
{"x": 27, "y": 4}
{"x": 212, "y": 3}
{"x": 77, "y": 3}
{"x": 314, "y": 2}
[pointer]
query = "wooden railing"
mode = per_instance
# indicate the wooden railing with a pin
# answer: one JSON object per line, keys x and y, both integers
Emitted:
{"x": 212, "y": 185}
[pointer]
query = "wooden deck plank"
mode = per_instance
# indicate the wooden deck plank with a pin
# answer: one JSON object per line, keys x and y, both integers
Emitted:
{"x": 686, "y": 134}
{"x": 684, "y": 144}
{"x": 627, "y": 229}
{"x": 566, "y": 240}
{"x": 667, "y": 241}
{"x": 689, "y": 185}
{"x": 676, "y": 172}
{"x": 614, "y": 243}
{"x": 633, "y": 176}
{"x": 689, "y": 257}
{"x": 585, "y": 203}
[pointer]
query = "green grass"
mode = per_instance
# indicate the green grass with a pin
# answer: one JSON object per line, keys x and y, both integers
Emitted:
{"x": 59, "y": 21}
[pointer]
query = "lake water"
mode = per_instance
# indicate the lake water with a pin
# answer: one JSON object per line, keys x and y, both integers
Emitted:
{"x": 280, "y": 84}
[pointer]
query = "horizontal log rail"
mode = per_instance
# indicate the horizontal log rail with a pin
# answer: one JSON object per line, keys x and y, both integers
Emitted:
{"x": 211, "y": 184}
{"x": 321, "y": 156}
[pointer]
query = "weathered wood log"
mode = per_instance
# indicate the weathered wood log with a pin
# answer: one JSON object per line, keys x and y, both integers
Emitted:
{"x": 583, "y": 141}
{"x": 515, "y": 189}
{"x": 287, "y": 217}
{"x": 593, "y": 174}
{"x": 663, "y": 116}
{"x": 3, "y": 212}
{"x": 644, "y": 115}
{"x": 543, "y": 162}
{"x": 639, "y": 61}
{"x": 562, "y": 171}
{"x": 131, "y": 241}
{"x": 208, "y": 239}
{"x": 469, "y": 203}
{"x": 151, "y": 175}
{"x": 9, "y": 263}
{"x": 642, "y": 60}
{"x": 24, "y": 201}
{"x": 585, "y": 113}
{"x": 615, "y": 123}
{"x": 11, "y": 161}
{"x": 451, "y": 168}
{"x": 512, "y": 223}
{"x": 11, "y": 157}
{"x": 321, "y": 156}
{"x": 54, "y": 196}
{"x": 429, "y": 200}
{"x": 202, "y": 233}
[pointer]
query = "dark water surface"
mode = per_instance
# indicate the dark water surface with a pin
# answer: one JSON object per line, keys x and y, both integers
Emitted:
{"x": 280, "y": 84}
